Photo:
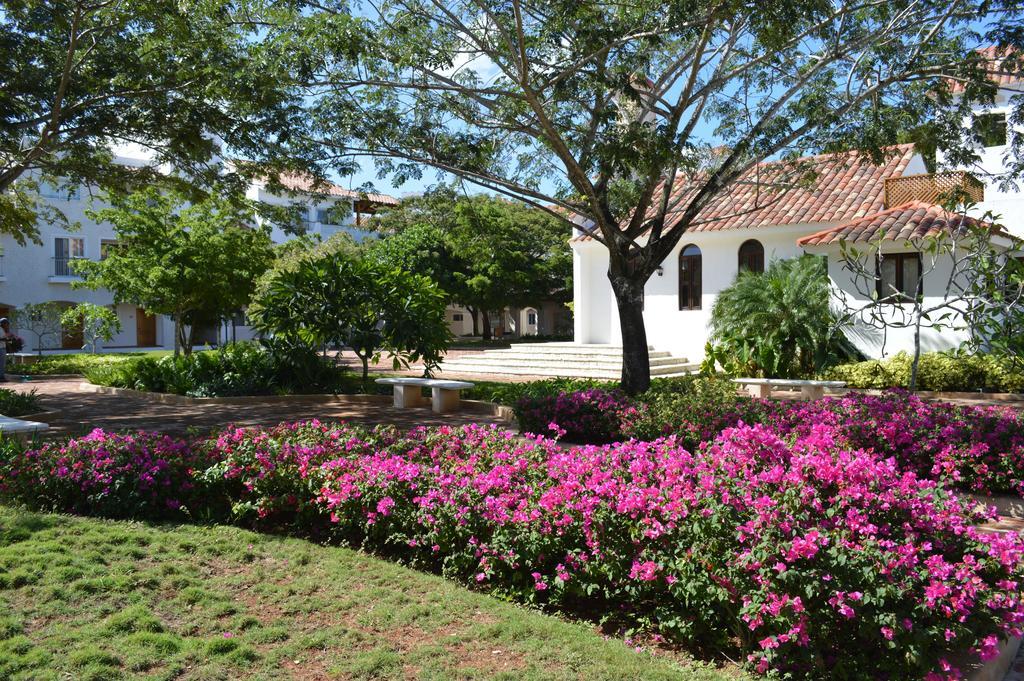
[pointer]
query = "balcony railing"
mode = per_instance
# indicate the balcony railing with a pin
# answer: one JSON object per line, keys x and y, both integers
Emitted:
{"x": 933, "y": 188}
{"x": 63, "y": 267}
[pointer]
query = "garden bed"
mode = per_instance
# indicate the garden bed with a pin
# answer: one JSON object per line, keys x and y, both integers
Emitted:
{"x": 796, "y": 555}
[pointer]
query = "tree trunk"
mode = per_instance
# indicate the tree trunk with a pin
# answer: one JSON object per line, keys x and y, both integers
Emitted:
{"x": 486, "y": 322}
{"x": 177, "y": 335}
{"x": 636, "y": 361}
{"x": 476, "y": 322}
{"x": 917, "y": 355}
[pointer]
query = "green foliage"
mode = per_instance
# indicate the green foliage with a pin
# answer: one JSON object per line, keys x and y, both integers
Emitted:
{"x": 510, "y": 393}
{"x": 98, "y": 322}
{"x": 338, "y": 298}
{"x": 75, "y": 363}
{"x": 777, "y": 323}
{"x": 197, "y": 263}
{"x": 234, "y": 369}
{"x": 937, "y": 371}
{"x": 14, "y": 403}
{"x": 169, "y": 76}
{"x": 485, "y": 253}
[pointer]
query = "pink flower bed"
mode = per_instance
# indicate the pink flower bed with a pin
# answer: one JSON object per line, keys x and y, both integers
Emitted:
{"x": 801, "y": 554}
{"x": 118, "y": 475}
{"x": 814, "y": 560}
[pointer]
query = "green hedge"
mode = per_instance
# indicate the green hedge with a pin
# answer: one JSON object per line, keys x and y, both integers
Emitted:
{"x": 937, "y": 371}
{"x": 76, "y": 363}
{"x": 235, "y": 369}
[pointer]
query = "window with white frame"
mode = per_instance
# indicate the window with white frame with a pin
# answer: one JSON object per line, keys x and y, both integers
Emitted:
{"x": 457, "y": 317}
{"x": 65, "y": 250}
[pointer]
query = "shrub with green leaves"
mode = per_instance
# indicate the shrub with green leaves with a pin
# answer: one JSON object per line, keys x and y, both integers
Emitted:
{"x": 235, "y": 369}
{"x": 777, "y": 323}
{"x": 13, "y": 403}
{"x": 941, "y": 371}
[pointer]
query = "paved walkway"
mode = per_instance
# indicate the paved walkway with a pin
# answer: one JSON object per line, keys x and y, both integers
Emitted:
{"x": 76, "y": 411}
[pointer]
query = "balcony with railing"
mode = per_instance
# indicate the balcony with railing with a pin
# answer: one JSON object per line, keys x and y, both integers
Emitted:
{"x": 933, "y": 188}
{"x": 62, "y": 269}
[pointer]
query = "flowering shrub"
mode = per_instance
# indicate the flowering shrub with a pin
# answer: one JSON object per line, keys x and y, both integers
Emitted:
{"x": 592, "y": 416}
{"x": 811, "y": 556}
{"x": 119, "y": 475}
{"x": 977, "y": 449}
{"x": 267, "y": 477}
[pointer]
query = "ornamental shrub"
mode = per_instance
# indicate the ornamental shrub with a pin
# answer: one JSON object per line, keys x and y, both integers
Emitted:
{"x": 234, "y": 369}
{"x": 117, "y": 475}
{"x": 815, "y": 560}
{"x": 264, "y": 475}
{"x": 14, "y": 403}
{"x": 592, "y": 416}
{"x": 942, "y": 371}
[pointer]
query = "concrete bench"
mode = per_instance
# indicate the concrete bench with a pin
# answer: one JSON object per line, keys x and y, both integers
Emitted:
{"x": 811, "y": 390}
{"x": 445, "y": 394}
{"x": 12, "y": 427}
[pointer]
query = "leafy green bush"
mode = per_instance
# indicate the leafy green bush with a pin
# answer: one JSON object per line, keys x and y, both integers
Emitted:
{"x": 777, "y": 323}
{"x": 510, "y": 393}
{"x": 77, "y": 363}
{"x": 694, "y": 408}
{"x": 938, "y": 371}
{"x": 18, "y": 404}
{"x": 235, "y": 369}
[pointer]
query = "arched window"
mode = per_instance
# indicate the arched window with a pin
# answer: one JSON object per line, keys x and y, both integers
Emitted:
{"x": 752, "y": 256}
{"x": 689, "y": 278}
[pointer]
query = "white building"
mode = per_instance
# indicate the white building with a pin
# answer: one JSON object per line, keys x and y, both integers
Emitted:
{"x": 36, "y": 273}
{"x": 752, "y": 224}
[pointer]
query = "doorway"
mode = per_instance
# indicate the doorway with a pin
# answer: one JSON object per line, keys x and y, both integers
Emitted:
{"x": 145, "y": 329}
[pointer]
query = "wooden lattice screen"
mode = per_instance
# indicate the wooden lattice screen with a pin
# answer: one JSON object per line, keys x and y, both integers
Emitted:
{"x": 932, "y": 188}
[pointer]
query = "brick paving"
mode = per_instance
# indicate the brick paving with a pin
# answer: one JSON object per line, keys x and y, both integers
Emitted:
{"x": 76, "y": 411}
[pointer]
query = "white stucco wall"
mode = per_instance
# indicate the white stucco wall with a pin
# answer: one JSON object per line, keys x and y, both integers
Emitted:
{"x": 878, "y": 341}
{"x": 684, "y": 333}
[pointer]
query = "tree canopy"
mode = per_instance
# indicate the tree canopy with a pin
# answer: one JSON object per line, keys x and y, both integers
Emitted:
{"x": 486, "y": 253}
{"x": 337, "y": 297}
{"x": 596, "y": 111}
{"x": 195, "y": 262}
{"x": 177, "y": 79}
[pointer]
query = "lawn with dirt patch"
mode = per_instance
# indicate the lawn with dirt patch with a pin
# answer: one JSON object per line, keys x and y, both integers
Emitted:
{"x": 93, "y": 599}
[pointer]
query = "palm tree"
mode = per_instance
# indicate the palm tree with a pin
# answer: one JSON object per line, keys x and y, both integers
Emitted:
{"x": 778, "y": 323}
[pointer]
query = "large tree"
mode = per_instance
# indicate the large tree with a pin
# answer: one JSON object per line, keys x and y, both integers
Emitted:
{"x": 597, "y": 111}
{"x": 81, "y": 76}
{"x": 197, "y": 263}
{"x": 486, "y": 253}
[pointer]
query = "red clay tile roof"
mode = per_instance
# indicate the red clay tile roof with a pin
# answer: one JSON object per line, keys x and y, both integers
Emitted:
{"x": 845, "y": 186}
{"x": 1003, "y": 77}
{"x": 908, "y": 222}
{"x": 308, "y": 185}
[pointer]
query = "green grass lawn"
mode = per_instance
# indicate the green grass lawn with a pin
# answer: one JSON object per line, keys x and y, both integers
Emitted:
{"x": 92, "y": 599}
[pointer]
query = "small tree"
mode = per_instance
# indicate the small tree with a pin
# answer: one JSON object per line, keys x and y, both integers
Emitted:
{"x": 41, "y": 319}
{"x": 98, "y": 322}
{"x": 777, "y": 323}
{"x": 197, "y": 263}
{"x": 340, "y": 298}
{"x": 973, "y": 278}
{"x": 485, "y": 253}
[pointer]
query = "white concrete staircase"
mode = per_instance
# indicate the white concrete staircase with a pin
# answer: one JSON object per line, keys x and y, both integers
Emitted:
{"x": 570, "y": 360}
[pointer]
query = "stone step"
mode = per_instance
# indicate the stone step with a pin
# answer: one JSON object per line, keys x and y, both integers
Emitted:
{"x": 521, "y": 355}
{"x": 558, "y": 348}
{"x": 551, "y": 360}
{"x": 610, "y": 373}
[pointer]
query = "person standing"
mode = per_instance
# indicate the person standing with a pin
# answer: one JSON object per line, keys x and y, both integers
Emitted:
{"x": 8, "y": 342}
